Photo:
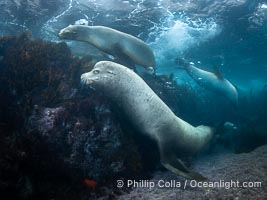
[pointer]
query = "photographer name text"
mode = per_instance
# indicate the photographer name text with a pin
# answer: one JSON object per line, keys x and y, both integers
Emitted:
{"x": 187, "y": 183}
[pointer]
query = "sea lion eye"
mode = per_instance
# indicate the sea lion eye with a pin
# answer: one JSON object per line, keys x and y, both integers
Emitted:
{"x": 110, "y": 72}
{"x": 96, "y": 71}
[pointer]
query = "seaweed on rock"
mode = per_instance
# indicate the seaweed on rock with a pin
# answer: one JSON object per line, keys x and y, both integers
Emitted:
{"x": 34, "y": 66}
{"x": 32, "y": 73}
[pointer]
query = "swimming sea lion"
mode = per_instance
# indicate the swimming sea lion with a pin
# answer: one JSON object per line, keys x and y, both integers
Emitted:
{"x": 149, "y": 114}
{"x": 127, "y": 48}
{"x": 214, "y": 82}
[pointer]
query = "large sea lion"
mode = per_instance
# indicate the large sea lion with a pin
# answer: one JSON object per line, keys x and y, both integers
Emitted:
{"x": 149, "y": 114}
{"x": 127, "y": 48}
{"x": 214, "y": 82}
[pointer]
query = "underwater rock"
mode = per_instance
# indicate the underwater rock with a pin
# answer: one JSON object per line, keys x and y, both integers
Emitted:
{"x": 44, "y": 71}
{"x": 224, "y": 167}
{"x": 48, "y": 120}
{"x": 88, "y": 138}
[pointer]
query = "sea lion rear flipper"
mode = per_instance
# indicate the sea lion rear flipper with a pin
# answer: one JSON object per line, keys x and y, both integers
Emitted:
{"x": 179, "y": 168}
{"x": 182, "y": 63}
{"x": 175, "y": 165}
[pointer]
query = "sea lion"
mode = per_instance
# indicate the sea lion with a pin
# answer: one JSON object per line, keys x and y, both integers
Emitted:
{"x": 127, "y": 48}
{"x": 214, "y": 82}
{"x": 149, "y": 114}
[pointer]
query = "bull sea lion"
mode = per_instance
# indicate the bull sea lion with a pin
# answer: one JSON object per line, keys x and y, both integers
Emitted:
{"x": 214, "y": 82}
{"x": 149, "y": 114}
{"x": 127, "y": 48}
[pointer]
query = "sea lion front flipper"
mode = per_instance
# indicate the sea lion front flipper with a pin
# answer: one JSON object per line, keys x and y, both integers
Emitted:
{"x": 217, "y": 72}
{"x": 123, "y": 58}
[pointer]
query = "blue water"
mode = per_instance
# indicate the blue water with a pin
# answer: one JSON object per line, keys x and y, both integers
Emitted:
{"x": 230, "y": 34}
{"x": 228, "y": 27}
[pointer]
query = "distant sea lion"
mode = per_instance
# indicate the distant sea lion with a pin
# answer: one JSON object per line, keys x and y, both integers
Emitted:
{"x": 149, "y": 114}
{"x": 214, "y": 82}
{"x": 127, "y": 48}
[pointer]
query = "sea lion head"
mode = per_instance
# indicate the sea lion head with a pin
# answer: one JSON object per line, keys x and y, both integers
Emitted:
{"x": 103, "y": 76}
{"x": 74, "y": 32}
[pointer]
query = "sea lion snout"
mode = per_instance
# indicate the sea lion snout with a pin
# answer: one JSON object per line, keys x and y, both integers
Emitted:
{"x": 67, "y": 33}
{"x": 88, "y": 79}
{"x": 60, "y": 35}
